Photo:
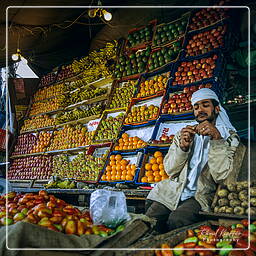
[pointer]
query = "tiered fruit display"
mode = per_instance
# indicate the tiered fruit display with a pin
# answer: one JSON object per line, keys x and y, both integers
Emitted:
{"x": 154, "y": 169}
{"x": 169, "y": 32}
{"x": 119, "y": 169}
{"x": 153, "y": 85}
{"x": 164, "y": 55}
{"x": 65, "y": 72}
{"x": 48, "y": 92}
{"x": 25, "y": 144}
{"x": 98, "y": 64}
{"x": 48, "y": 105}
{"x": 204, "y": 42}
{"x": 86, "y": 167}
{"x": 49, "y": 212}
{"x": 32, "y": 167}
{"x": 60, "y": 165}
{"x": 196, "y": 70}
{"x": 123, "y": 94}
{"x": 81, "y": 95}
{"x": 77, "y": 84}
{"x": 79, "y": 113}
{"x": 135, "y": 63}
{"x": 47, "y": 79}
{"x": 142, "y": 113}
{"x": 206, "y": 17}
{"x": 37, "y": 122}
{"x": 139, "y": 37}
{"x": 241, "y": 237}
{"x": 126, "y": 142}
{"x": 70, "y": 137}
{"x": 233, "y": 199}
{"x": 109, "y": 127}
{"x": 42, "y": 142}
{"x": 181, "y": 101}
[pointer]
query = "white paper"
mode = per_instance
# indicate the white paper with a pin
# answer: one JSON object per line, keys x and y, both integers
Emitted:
{"x": 92, "y": 125}
{"x": 144, "y": 133}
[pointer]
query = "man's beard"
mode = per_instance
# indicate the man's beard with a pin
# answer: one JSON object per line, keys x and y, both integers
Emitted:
{"x": 212, "y": 118}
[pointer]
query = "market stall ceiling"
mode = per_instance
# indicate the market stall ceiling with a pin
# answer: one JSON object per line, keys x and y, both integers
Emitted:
{"x": 49, "y": 37}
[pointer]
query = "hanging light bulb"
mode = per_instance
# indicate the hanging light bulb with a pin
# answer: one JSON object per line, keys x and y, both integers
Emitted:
{"x": 16, "y": 56}
{"x": 107, "y": 15}
{"x": 92, "y": 13}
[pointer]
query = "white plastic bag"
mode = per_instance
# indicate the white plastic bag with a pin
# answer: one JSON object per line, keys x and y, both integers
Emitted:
{"x": 108, "y": 207}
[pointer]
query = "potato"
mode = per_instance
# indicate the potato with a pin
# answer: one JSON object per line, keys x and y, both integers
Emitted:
{"x": 232, "y": 196}
{"x": 253, "y": 201}
{"x": 239, "y": 210}
{"x": 231, "y": 187}
{"x": 216, "y": 209}
{"x": 229, "y": 210}
{"x": 253, "y": 191}
{"x": 243, "y": 195}
{"x": 222, "y": 209}
{"x": 252, "y": 211}
{"x": 244, "y": 204}
{"x": 234, "y": 203}
{"x": 222, "y": 193}
{"x": 241, "y": 185}
{"x": 223, "y": 202}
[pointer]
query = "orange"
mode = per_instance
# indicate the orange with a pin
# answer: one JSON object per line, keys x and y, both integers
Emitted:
{"x": 125, "y": 136}
{"x": 118, "y": 157}
{"x": 161, "y": 166}
{"x": 128, "y": 167}
{"x": 151, "y": 178}
{"x": 149, "y": 173}
{"x": 152, "y": 160}
{"x": 113, "y": 168}
{"x": 136, "y": 138}
{"x": 118, "y": 167}
{"x": 125, "y": 147}
{"x": 113, "y": 173}
{"x": 113, "y": 177}
{"x": 129, "y": 177}
{"x": 118, "y": 177}
{"x": 155, "y": 167}
{"x": 123, "y": 176}
{"x": 124, "y": 162}
{"x": 112, "y": 157}
{"x": 157, "y": 154}
{"x": 162, "y": 172}
{"x": 108, "y": 168}
{"x": 133, "y": 172}
{"x": 112, "y": 163}
{"x": 103, "y": 177}
{"x": 157, "y": 178}
{"x": 133, "y": 167}
{"x": 159, "y": 159}
{"x": 129, "y": 172}
{"x": 124, "y": 172}
{"x": 120, "y": 140}
{"x": 129, "y": 147}
{"x": 123, "y": 167}
{"x": 117, "y": 147}
{"x": 130, "y": 139}
{"x": 156, "y": 173}
{"x": 144, "y": 179}
{"x": 108, "y": 177}
{"x": 148, "y": 166}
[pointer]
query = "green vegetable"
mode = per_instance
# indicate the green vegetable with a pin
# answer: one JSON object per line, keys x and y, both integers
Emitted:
{"x": 103, "y": 233}
{"x": 192, "y": 239}
{"x": 226, "y": 250}
{"x": 252, "y": 227}
{"x": 120, "y": 228}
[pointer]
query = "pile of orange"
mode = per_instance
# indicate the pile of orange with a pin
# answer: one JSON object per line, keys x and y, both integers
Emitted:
{"x": 126, "y": 142}
{"x": 42, "y": 142}
{"x": 152, "y": 86}
{"x": 154, "y": 169}
{"x": 119, "y": 169}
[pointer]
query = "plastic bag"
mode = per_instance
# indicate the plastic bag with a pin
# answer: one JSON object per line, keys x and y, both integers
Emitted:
{"x": 108, "y": 207}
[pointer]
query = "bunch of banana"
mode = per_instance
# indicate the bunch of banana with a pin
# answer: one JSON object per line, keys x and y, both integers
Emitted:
{"x": 66, "y": 184}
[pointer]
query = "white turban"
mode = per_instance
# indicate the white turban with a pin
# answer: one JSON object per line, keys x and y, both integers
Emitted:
{"x": 206, "y": 93}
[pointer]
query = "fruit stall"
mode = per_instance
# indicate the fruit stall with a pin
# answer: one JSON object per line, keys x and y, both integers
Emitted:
{"x": 107, "y": 119}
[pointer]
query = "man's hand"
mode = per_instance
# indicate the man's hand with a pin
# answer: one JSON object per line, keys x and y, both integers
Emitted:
{"x": 186, "y": 137}
{"x": 208, "y": 129}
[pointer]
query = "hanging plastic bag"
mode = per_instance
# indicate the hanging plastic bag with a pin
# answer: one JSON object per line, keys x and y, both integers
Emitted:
{"x": 108, "y": 207}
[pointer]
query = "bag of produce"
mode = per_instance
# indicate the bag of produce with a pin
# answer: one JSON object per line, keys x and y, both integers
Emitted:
{"x": 108, "y": 207}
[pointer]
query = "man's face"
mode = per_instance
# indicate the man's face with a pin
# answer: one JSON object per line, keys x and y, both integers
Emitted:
{"x": 204, "y": 110}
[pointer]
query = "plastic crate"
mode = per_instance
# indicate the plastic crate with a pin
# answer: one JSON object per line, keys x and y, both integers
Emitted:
{"x": 170, "y": 24}
{"x": 218, "y": 71}
{"x": 144, "y": 132}
{"x": 151, "y": 27}
{"x": 165, "y": 48}
{"x": 169, "y": 128}
{"x": 229, "y": 39}
{"x": 147, "y": 153}
{"x": 144, "y": 102}
{"x": 134, "y": 157}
